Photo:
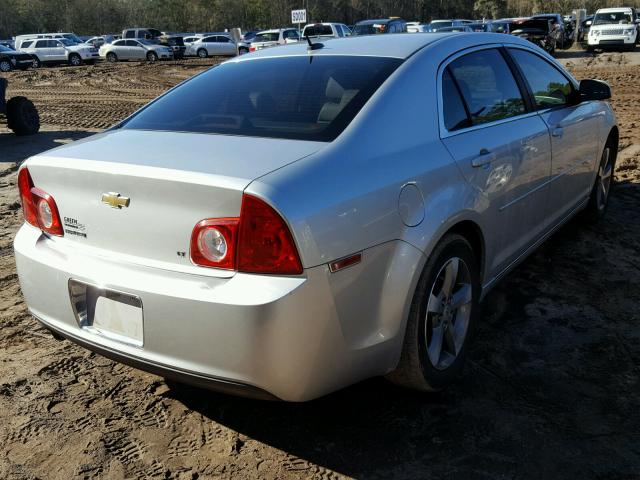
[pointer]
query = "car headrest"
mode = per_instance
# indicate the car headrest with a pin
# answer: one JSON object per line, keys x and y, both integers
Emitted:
{"x": 334, "y": 90}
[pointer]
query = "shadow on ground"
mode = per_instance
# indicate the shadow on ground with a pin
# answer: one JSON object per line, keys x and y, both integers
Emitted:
{"x": 550, "y": 390}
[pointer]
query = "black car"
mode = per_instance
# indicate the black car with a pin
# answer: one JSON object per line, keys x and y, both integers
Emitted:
{"x": 536, "y": 30}
{"x": 10, "y": 59}
{"x": 381, "y": 25}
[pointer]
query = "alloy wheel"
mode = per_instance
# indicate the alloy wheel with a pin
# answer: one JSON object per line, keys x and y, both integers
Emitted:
{"x": 603, "y": 183}
{"x": 448, "y": 313}
{"x": 5, "y": 66}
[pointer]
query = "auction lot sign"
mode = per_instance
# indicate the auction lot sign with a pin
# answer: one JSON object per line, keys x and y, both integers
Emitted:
{"x": 299, "y": 16}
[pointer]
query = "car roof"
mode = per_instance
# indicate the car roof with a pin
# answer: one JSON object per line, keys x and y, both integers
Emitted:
{"x": 614, "y": 9}
{"x": 399, "y": 45}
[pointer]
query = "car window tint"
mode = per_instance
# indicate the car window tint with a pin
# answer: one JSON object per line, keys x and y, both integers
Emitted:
{"x": 288, "y": 97}
{"x": 550, "y": 87}
{"x": 454, "y": 114}
{"x": 316, "y": 30}
{"x": 487, "y": 85}
{"x": 41, "y": 44}
{"x": 118, "y": 43}
{"x": 27, "y": 44}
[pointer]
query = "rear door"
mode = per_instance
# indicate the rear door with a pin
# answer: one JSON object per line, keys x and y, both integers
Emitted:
{"x": 501, "y": 146}
{"x": 118, "y": 47}
{"x": 41, "y": 50}
{"x": 573, "y": 128}
{"x": 211, "y": 45}
{"x": 57, "y": 52}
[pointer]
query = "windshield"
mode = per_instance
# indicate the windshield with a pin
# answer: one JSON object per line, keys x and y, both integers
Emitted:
{"x": 5, "y": 49}
{"x": 66, "y": 42}
{"x": 267, "y": 37}
{"x": 72, "y": 37}
{"x": 369, "y": 29}
{"x": 317, "y": 30}
{"x": 302, "y": 98}
{"x": 441, "y": 24}
{"x": 612, "y": 17}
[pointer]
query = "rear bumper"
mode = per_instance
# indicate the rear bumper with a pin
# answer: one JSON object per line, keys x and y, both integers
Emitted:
{"x": 291, "y": 338}
{"x": 190, "y": 378}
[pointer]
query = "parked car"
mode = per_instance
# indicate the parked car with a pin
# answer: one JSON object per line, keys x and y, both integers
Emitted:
{"x": 240, "y": 273}
{"x": 215, "y": 45}
{"x": 10, "y": 59}
{"x": 440, "y": 24}
{"x": 20, "y": 113}
{"x": 326, "y": 30}
{"x": 59, "y": 50}
{"x": 459, "y": 29}
{"x": 8, "y": 43}
{"x": 138, "y": 49}
{"x": 537, "y": 31}
{"x": 615, "y": 28}
{"x": 71, "y": 38}
{"x": 556, "y": 29}
{"x": 174, "y": 42}
{"x": 272, "y": 38}
{"x": 418, "y": 27}
{"x": 380, "y": 25}
{"x": 583, "y": 29}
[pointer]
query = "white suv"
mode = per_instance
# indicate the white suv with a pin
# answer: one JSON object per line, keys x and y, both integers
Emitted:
{"x": 271, "y": 38}
{"x": 59, "y": 50}
{"x": 614, "y": 28}
{"x": 315, "y": 30}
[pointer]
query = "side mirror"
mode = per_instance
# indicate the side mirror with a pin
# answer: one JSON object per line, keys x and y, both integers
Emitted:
{"x": 594, "y": 90}
{"x": 589, "y": 22}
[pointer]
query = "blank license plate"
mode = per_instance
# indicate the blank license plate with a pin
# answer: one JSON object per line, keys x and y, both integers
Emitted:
{"x": 119, "y": 320}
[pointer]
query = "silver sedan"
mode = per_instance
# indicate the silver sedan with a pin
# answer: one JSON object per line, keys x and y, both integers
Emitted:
{"x": 340, "y": 218}
{"x": 135, "y": 49}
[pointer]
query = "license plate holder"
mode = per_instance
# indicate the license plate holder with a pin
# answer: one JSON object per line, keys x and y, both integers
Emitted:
{"x": 109, "y": 313}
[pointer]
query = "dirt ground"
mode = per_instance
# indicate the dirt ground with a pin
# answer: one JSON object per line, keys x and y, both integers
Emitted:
{"x": 551, "y": 389}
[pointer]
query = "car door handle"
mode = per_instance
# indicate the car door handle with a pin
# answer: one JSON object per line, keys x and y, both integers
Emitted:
{"x": 484, "y": 158}
{"x": 557, "y": 132}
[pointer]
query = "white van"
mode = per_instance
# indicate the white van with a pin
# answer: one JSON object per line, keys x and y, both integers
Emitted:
{"x": 33, "y": 36}
{"x": 614, "y": 28}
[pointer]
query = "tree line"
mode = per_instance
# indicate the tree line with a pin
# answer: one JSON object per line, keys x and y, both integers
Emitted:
{"x": 93, "y": 17}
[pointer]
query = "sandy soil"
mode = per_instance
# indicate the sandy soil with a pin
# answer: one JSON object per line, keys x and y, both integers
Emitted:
{"x": 550, "y": 391}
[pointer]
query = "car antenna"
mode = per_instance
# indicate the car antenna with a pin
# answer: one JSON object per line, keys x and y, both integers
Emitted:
{"x": 313, "y": 46}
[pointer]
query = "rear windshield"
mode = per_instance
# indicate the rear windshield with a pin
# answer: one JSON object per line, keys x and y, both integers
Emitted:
{"x": 267, "y": 37}
{"x": 369, "y": 28}
{"x": 303, "y": 98}
{"x": 317, "y": 30}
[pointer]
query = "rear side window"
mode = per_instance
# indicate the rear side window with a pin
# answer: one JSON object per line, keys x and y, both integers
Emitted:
{"x": 267, "y": 37}
{"x": 304, "y": 98}
{"x": 290, "y": 34}
{"x": 549, "y": 86}
{"x": 27, "y": 44}
{"x": 118, "y": 43}
{"x": 42, "y": 44}
{"x": 455, "y": 115}
{"x": 489, "y": 89}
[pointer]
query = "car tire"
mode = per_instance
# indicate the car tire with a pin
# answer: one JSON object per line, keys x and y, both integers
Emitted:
{"x": 36, "y": 62}
{"x": 202, "y": 53}
{"x": 442, "y": 318}
{"x": 5, "y": 65}
{"x": 112, "y": 57}
{"x": 601, "y": 191}
{"x": 22, "y": 116}
{"x": 152, "y": 57}
{"x": 75, "y": 60}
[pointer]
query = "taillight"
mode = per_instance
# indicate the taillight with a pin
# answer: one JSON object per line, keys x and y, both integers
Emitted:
{"x": 257, "y": 242}
{"x": 265, "y": 244}
{"x": 252, "y": 49}
{"x": 213, "y": 243}
{"x": 39, "y": 208}
{"x": 25, "y": 184}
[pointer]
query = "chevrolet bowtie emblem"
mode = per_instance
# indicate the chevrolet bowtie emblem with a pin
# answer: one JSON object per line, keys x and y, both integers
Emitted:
{"x": 115, "y": 200}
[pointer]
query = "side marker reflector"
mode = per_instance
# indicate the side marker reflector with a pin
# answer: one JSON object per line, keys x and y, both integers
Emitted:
{"x": 345, "y": 262}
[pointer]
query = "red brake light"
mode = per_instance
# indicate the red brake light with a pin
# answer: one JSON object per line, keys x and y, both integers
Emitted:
{"x": 265, "y": 244}
{"x": 39, "y": 208}
{"x": 257, "y": 242}
{"x": 252, "y": 49}
{"x": 25, "y": 184}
